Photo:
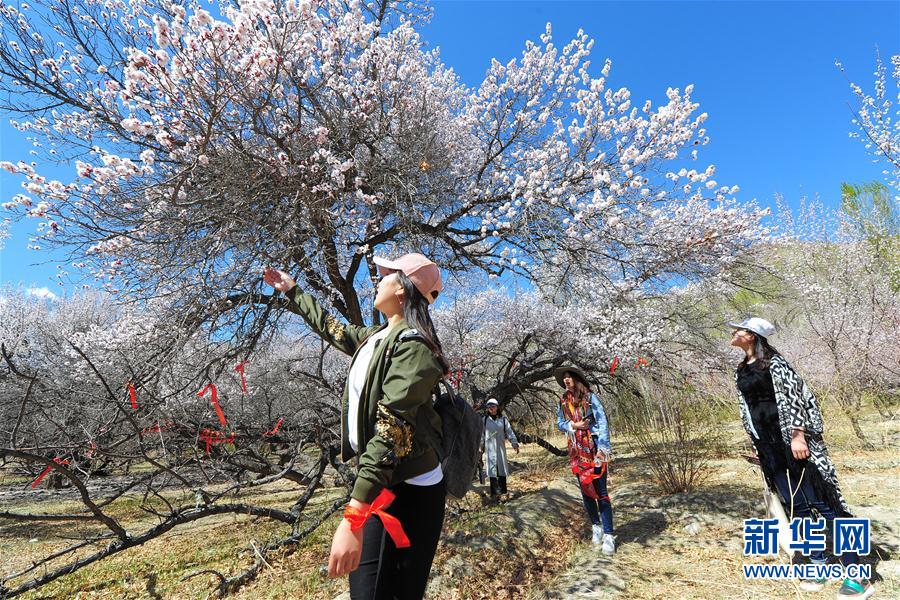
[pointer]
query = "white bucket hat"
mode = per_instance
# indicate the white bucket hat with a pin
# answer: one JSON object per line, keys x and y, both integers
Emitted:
{"x": 492, "y": 402}
{"x": 756, "y": 325}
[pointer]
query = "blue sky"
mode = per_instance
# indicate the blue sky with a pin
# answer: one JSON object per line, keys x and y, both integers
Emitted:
{"x": 764, "y": 71}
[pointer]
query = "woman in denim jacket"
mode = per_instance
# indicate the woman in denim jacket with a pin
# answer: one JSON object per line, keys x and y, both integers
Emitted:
{"x": 581, "y": 416}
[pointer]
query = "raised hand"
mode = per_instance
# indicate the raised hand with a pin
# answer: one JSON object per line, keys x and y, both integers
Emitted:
{"x": 279, "y": 280}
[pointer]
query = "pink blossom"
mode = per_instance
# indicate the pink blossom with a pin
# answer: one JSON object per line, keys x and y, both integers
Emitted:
{"x": 83, "y": 169}
{"x": 161, "y": 31}
{"x": 164, "y": 138}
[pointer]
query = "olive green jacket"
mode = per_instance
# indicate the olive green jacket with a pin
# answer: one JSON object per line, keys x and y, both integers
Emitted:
{"x": 398, "y": 429}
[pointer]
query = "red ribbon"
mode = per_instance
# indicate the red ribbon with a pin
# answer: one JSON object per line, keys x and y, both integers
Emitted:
{"x": 215, "y": 402}
{"x": 358, "y": 518}
{"x": 214, "y": 438}
{"x": 274, "y": 430}
{"x": 641, "y": 362}
{"x": 132, "y": 395}
{"x": 240, "y": 369}
{"x": 615, "y": 363}
{"x": 157, "y": 427}
{"x": 43, "y": 474}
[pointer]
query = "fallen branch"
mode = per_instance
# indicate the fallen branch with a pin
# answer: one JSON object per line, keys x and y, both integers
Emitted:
{"x": 235, "y": 583}
{"x": 180, "y": 517}
{"x": 527, "y": 438}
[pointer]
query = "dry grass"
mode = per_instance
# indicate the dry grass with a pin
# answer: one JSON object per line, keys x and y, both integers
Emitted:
{"x": 223, "y": 544}
{"x": 657, "y": 558}
{"x": 491, "y": 550}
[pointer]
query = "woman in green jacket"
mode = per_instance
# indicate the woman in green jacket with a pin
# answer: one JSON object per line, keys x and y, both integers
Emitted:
{"x": 389, "y": 424}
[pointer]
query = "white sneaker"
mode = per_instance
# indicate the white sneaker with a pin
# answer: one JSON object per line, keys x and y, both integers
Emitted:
{"x": 609, "y": 544}
{"x": 597, "y": 536}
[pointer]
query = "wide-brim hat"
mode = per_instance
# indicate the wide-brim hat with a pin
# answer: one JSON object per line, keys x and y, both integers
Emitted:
{"x": 560, "y": 372}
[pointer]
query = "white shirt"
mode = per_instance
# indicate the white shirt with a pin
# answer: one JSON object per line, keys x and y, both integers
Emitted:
{"x": 355, "y": 382}
{"x": 430, "y": 478}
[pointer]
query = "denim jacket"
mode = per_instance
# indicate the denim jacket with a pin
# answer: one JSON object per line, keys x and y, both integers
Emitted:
{"x": 599, "y": 427}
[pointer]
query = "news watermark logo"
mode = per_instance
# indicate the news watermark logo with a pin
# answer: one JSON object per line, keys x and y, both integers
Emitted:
{"x": 810, "y": 538}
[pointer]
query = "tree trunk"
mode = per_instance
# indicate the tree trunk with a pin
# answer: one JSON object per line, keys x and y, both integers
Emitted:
{"x": 527, "y": 438}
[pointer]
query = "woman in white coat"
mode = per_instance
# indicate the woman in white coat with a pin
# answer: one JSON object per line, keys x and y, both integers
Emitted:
{"x": 496, "y": 431}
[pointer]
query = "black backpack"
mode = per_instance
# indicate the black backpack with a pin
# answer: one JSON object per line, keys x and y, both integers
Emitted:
{"x": 462, "y": 431}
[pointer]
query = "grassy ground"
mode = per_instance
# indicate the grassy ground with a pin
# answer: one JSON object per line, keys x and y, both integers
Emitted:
{"x": 534, "y": 544}
{"x": 224, "y": 544}
{"x": 659, "y": 558}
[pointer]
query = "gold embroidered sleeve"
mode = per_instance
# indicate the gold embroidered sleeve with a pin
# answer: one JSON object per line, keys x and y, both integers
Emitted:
{"x": 335, "y": 328}
{"x": 395, "y": 431}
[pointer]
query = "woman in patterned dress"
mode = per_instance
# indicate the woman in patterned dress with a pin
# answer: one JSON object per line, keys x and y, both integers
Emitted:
{"x": 784, "y": 423}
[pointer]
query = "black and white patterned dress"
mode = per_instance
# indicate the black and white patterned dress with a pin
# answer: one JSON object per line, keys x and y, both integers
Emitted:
{"x": 798, "y": 408}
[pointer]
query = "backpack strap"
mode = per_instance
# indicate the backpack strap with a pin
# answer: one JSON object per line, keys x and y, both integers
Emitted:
{"x": 410, "y": 334}
{"x": 406, "y": 336}
{"x": 448, "y": 389}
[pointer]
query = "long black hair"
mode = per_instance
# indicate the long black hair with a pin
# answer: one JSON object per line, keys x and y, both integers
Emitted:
{"x": 763, "y": 351}
{"x": 415, "y": 311}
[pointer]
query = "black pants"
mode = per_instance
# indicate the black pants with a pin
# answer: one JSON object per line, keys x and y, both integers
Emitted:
{"x": 386, "y": 572}
{"x": 800, "y": 497}
{"x": 805, "y": 499}
{"x": 498, "y": 485}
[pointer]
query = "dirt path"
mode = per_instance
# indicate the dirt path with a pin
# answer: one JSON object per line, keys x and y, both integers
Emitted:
{"x": 690, "y": 545}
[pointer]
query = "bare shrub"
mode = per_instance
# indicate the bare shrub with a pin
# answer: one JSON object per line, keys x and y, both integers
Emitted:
{"x": 671, "y": 427}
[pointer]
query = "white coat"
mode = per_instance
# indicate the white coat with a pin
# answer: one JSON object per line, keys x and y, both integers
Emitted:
{"x": 496, "y": 431}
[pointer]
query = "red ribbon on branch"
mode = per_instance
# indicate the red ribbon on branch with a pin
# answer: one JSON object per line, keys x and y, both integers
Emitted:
{"x": 615, "y": 363}
{"x": 240, "y": 369}
{"x": 48, "y": 468}
{"x": 132, "y": 395}
{"x": 156, "y": 428}
{"x": 358, "y": 518}
{"x": 274, "y": 430}
{"x": 214, "y": 438}
{"x": 214, "y": 399}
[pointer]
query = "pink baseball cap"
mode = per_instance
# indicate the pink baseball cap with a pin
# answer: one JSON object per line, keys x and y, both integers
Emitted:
{"x": 424, "y": 274}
